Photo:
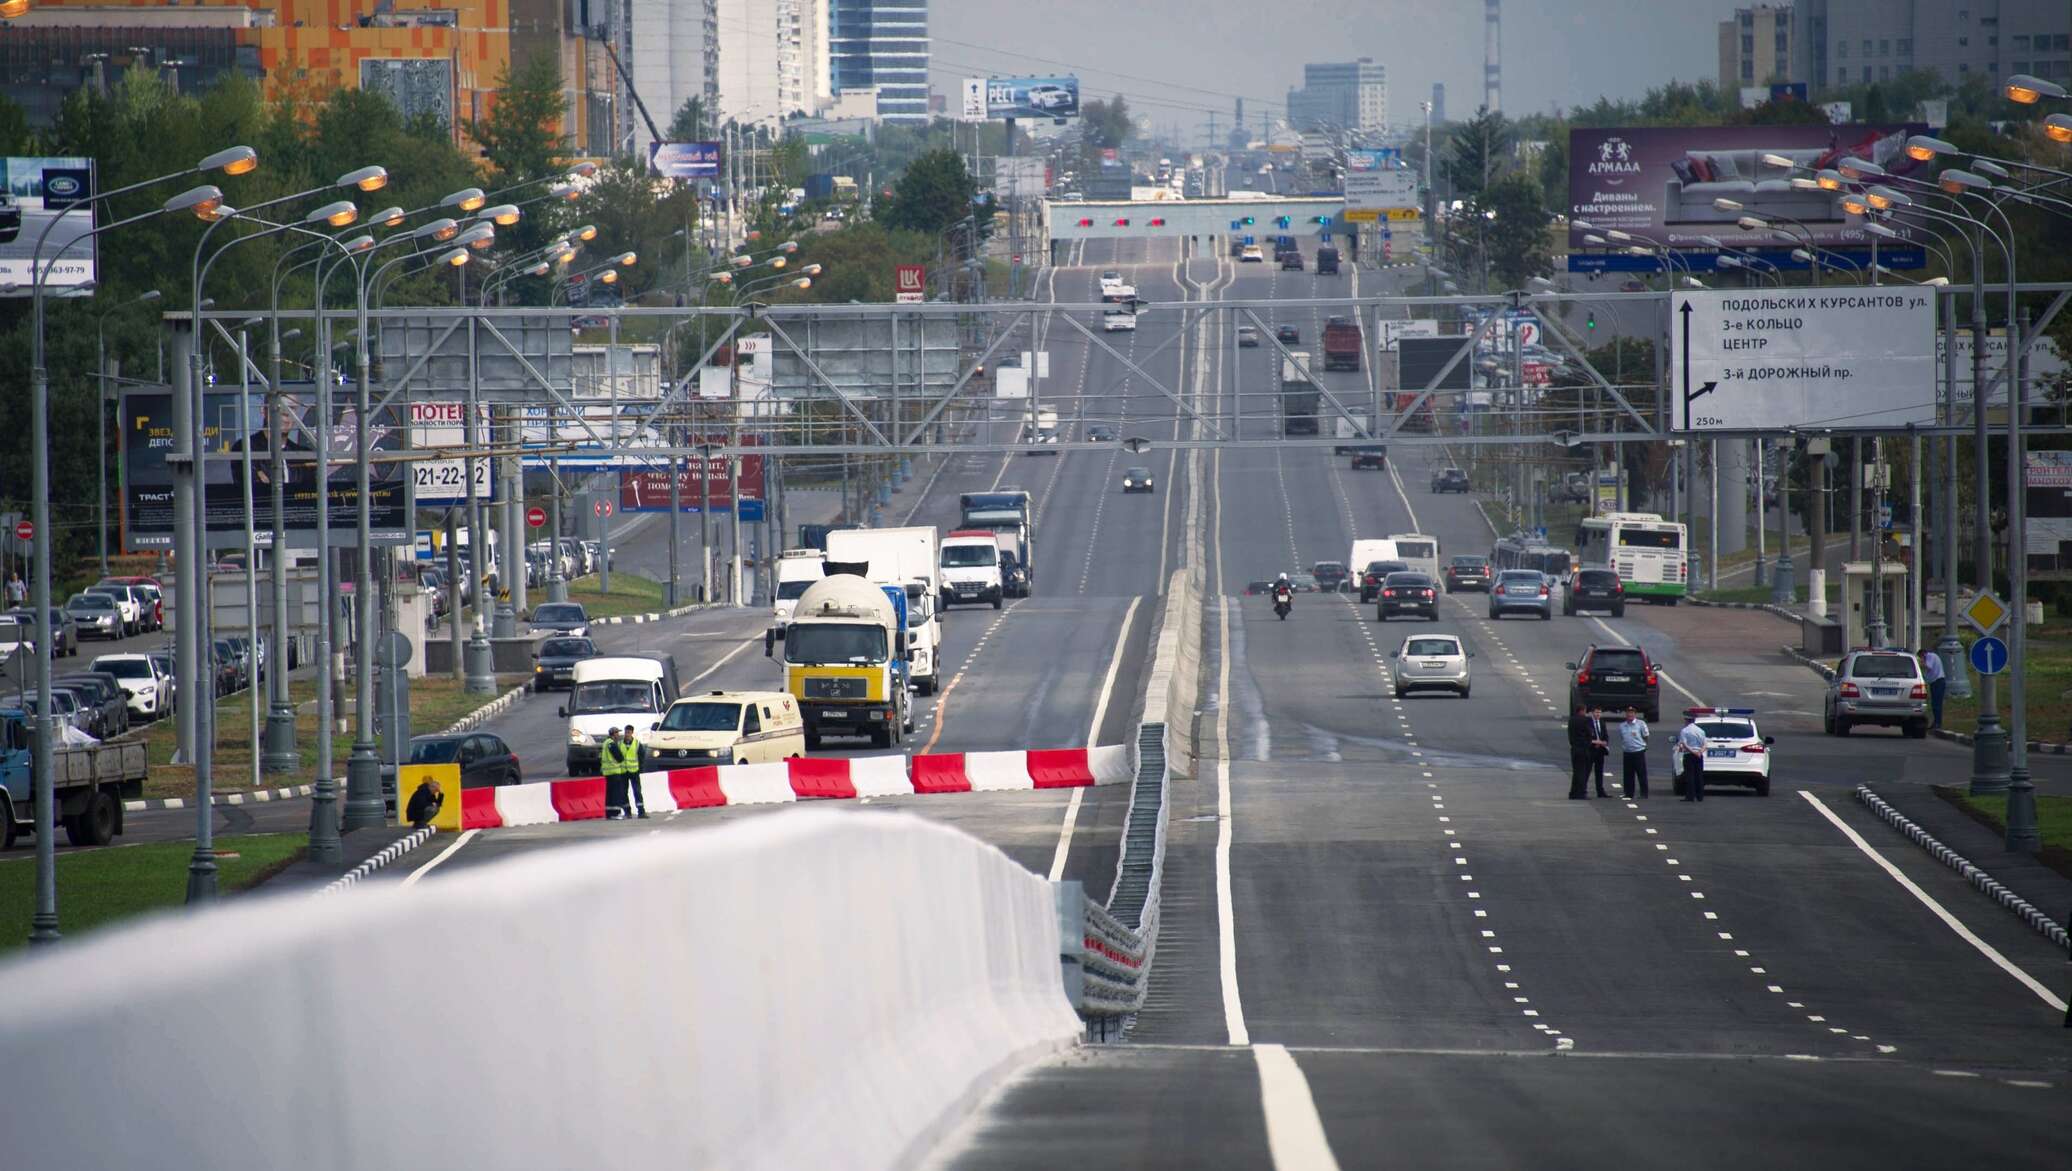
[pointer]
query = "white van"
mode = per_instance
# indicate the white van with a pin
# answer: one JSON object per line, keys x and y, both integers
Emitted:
{"x": 725, "y": 727}
{"x": 797, "y": 569}
{"x": 1419, "y": 552}
{"x": 612, "y": 692}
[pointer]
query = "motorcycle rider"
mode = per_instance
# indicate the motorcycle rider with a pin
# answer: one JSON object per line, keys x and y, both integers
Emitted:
{"x": 1283, "y": 595}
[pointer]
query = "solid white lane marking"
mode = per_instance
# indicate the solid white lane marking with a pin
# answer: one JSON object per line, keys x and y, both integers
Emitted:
{"x": 1093, "y": 731}
{"x": 465, "y": 837}
{"x": 1985, "y": 949}
{"x": 1226, "y": 922}
{"x": 1294, "y": 1131}
{"x": 700, "y": 676}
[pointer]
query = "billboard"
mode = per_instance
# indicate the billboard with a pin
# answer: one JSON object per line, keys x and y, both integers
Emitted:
{"x": 647, "y": 490}
{"x": 1660, "y": 182}
{"x": 1373, "y": 160}
{"x": 42, "y": 192}
{"x": 1853, "y": 358}
{"x": 443, "y": 424}
{"x": 1381, "y": 190}
{"x": 973, "y": 108}
{"x": 229, "y": 420}
{"x": 684, "y": 160}
{"x": 1032, "y": 97}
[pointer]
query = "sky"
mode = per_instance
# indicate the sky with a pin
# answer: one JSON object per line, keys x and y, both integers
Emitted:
{"x": 1179, "y": 59}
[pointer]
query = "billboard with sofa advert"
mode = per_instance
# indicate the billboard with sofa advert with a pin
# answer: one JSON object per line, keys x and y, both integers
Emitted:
{"x": 1659, "y": 183}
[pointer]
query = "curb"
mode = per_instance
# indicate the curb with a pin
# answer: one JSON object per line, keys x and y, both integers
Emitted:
{"x": 248, "y": 798}
{"x": 2016, "y": 904}
{"x": 1820, "y": 668}
{"x": 2045, "y": 747}
{"x": 652, "y": 616}
{"x": 1766, "y": 607}
{"x": 487, "y": 711}
{"x": 389, "y": 854}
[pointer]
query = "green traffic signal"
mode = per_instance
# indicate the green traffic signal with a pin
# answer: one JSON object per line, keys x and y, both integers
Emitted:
{"x": 1591, "y": 322}
{"x": 1248, "y": 221}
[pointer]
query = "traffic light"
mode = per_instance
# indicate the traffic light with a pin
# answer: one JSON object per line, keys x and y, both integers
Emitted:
{"x": 1086, "y": 223}
{"x": 1324, "y": 220}
{"x": 1591, "y": 321}
{"x": 1158, "y": 223}
{"x": 1282, "y": 221}
{"x": 1249, "y": 221}
{"x": 1122, "y": 223}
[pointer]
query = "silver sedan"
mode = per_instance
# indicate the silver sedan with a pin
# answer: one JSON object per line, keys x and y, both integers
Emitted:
{"x": 1435, "y": 662}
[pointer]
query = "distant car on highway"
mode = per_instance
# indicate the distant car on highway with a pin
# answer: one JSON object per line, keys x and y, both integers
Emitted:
{"x": 1431, "y": 662}
{"x": 1616, "y": 678}
{"x": 1248, "y": 336}
{"x": 1118, "y": 319}
{"x": 1521, "y": 589}
{"x": 1287, "y": 335}
{"x": 1450, "y": 480}
{"x": 1253, "y": 254}
{"x": 1877, "y": 687}
{"x": 1303, "y": 583}
{"x": 1594, "y": 589}
{"x": 1110, "y": 278}
{"x": 1100, "y": 433}
{"x": 561, "y": 618}
{"x": 555, "y": 662}
{"x": 1467, "y": 572}
{"x": 1407, "y": 593}
{"x": 485, "y": 760}
{"x": 1292, "y": 259}
{"x": 1330, "y": 575}
{"x": 1136, "y": 480}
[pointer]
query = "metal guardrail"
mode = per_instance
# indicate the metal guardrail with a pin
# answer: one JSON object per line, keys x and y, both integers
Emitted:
{"x": 1106, "y": 950}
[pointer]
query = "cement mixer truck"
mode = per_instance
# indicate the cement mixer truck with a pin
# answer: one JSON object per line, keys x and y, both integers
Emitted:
{"x": 845, "y": 662}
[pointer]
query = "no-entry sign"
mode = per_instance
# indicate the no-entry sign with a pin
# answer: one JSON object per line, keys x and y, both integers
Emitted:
{"x": 536, "y": 517}
{"x": 24, "y": 530}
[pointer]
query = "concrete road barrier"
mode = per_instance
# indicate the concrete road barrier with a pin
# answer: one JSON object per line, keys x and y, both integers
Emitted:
{"x": 807, "y": 991}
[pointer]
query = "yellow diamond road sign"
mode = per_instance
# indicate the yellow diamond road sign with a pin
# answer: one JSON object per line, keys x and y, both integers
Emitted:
{"x": 1986, "y": 612}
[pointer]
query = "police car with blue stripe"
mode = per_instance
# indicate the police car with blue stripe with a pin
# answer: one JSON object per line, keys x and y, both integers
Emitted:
{"x": 1736, "y": 751}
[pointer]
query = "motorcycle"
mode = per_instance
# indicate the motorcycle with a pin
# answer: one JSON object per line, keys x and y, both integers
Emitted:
{"x": 1283, "y": 602}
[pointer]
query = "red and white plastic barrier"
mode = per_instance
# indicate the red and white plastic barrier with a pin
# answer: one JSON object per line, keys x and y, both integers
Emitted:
{"x": 802, "y": 779}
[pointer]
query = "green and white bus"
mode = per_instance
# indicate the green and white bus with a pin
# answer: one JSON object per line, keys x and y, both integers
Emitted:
{"x": 1648, "y": 553}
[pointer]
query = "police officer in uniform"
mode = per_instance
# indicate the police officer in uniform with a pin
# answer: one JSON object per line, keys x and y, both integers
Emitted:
{"x": 612, "y": 762}
{"x": 630, "y": 746}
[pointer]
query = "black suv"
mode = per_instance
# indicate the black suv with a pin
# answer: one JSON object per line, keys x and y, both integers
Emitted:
{"x": 1614, "y": 678}
{"x": 1330, "y": 575}
{"x": 1594, "y": 589}
{"x": 1450, "y": 480}
{"x": 1407, "y": 593}
{"x": 1467, "y": 573}
{"x": 1372, "y": 577}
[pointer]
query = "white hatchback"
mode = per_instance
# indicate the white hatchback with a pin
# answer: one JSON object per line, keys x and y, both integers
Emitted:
{"x": 1432, "y": 662}
{"x": 150, "y": 693}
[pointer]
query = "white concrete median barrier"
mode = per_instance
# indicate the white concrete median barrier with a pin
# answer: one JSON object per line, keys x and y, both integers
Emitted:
{"x": 808, "y": 991}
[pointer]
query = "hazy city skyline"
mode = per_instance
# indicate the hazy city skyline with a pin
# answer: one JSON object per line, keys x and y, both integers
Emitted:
{"x": 1178, "y": 60}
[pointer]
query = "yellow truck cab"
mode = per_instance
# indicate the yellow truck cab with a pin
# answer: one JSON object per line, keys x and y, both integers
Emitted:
{"x": 725, "y": 727}
{"x": 844, "y": 662}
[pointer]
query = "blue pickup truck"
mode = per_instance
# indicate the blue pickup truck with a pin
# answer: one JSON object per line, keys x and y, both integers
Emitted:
{"x": 92, "y": 781}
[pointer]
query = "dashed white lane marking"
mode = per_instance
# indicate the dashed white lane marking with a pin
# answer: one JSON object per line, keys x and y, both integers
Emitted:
{"x": 1985, "y": 949}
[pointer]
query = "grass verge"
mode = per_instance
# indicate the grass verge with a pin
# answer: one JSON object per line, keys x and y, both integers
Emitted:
{"x": 2053, "y": 821}
{"x": 99, "y": 887}
{"x": 631, "y": 594}
{"x": 435, "y": 703}
{"x": 2047, "y": 673}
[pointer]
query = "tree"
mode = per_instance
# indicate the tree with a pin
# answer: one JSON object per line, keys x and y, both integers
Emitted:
{"x": 857, "y": 263}
{"x": 689, "y": 123}
{"x": 1474, "y": 153}
{"x": 1516, "y": 237}
{"x": 1106, "y": 124}
{"x": 521, "y": 138}
{"x": 635, "y": 212}
{"x": 934, "y": 192}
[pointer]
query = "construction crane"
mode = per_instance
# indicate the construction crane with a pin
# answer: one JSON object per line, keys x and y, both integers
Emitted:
{"x": 654, "y": 133}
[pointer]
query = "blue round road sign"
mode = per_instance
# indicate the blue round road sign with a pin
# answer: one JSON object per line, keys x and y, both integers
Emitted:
{"x": 1989, "y": 656}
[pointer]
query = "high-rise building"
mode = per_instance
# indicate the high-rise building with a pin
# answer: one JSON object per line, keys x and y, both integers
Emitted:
{"x": 1438, "y": 102}
{"x": 1850, "y": 42}
{"x": 1755, "y": 47}
{"x": 803, "y": 82}
{"x": 881, "y": 46}
{"x": 1351, "y": 95}
{"x": 751, "y": 60}
{"x": 672, "y": 50}
{"x": 1493, "y": 55}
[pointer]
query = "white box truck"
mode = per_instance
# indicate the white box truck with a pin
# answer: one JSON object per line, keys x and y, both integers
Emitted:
{"x": 797, "y": 570}
{"x": 909, "y": 558}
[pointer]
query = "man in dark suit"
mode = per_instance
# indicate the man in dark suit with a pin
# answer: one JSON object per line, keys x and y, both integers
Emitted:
{"x": 1582, "y": 753}
{"x": 1599, "y": 748}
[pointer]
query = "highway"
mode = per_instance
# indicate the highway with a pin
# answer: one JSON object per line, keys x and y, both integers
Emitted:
{"x": 1395, "y": 907}
{"x": 1388, "y": 937}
